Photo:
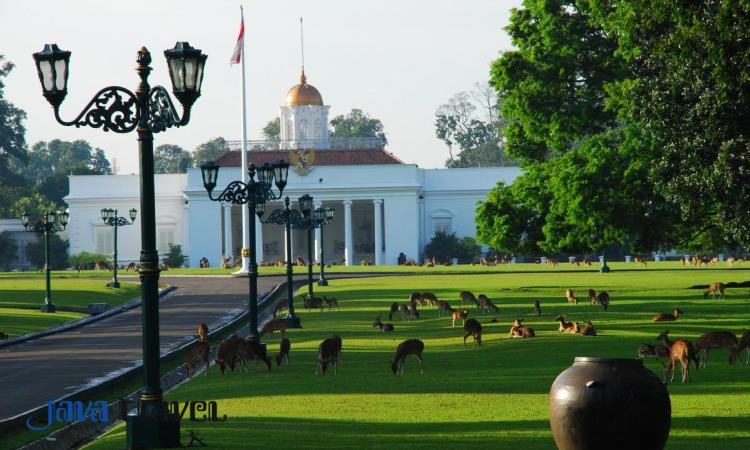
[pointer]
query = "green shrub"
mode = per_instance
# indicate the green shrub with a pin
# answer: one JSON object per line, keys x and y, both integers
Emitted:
{"x": 7, "y": 250}
{"x": 443, "y": 247}
{"x": 174, "y": 257}
{"x": 87, "y": 261}
{"x": 58, "y": 252}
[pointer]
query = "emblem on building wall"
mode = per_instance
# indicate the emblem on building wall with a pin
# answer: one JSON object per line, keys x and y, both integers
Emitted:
{"x": 301, "y": 160}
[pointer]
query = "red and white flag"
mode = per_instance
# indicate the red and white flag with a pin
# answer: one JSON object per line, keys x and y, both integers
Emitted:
{"x": 237, "y": 54}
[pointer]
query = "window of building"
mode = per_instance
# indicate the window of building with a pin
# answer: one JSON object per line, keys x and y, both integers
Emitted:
{"x": 304, "y": 129}
{"x": 318, "y": 130}
{"x": 442, "y": 221}
{"x": 164, "y": 237}
{"x": 105, "y": 240}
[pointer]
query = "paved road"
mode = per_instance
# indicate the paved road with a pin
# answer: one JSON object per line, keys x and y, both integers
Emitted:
{"x": 35, "y": 372}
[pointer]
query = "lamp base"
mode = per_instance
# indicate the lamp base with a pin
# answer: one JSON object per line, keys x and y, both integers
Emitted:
{"x": 293, "y": 322}
{"x": 604, "y": 269}
{"x": 48, "y": 307}
{"x": 152, "y": 431}
{"x": 322, "y": 282}
{"x": 114, "y": 284}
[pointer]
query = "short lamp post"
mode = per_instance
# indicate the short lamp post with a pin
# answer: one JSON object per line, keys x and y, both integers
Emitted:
{"x": 109, "y": 216}
{"x": 311, "y": 219}
{"x": 51, "y": 222}
{"x": 148, "y": 110}
{"x": 325, "y": 216}
{"x": 254, "y": 194}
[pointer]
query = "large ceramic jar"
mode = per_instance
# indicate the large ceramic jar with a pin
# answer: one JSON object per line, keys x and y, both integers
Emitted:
{"x": 612, "y": 404}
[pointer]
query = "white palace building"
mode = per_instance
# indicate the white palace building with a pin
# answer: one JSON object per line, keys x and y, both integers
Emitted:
{"x": 383, "y": 206}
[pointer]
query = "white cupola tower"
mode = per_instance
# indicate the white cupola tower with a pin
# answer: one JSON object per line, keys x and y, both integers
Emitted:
{"x": 304, "y": 119}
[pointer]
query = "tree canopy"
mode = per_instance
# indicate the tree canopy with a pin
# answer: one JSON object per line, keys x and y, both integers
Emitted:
{"x": 356, "y": 124}
{"x": 169, "y": 158}
{"x": 12, "y": 132}
{"x": 272, "y": 130}
{"x": 209, "y": 151}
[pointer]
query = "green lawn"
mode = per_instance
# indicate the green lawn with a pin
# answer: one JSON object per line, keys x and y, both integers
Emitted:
{"x": 495, "y": 397}
{"x": 17, "y": 322}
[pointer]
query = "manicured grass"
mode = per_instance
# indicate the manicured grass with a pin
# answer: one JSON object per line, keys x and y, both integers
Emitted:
{"x": 496, "y": 397}
{"x": 66, "y": 292}
{"x": 16, "y": 322}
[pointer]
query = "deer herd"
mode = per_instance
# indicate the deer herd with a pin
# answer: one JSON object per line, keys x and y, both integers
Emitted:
{"x": 234, "y": 352}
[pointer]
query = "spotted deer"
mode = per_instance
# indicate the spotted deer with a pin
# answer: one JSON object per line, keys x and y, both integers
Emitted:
{"x": 429, "y": 298}
{"x": 202, "y": 333}
{"x": 473, "y": 328}
{"x": 383, "y": 326}
{"x": 444, "y": 308}
{"x": 274, "y": 325}
{"x": 485, "y": 304}
{"x": 537, "y": 308}
{"x": 603, "y": 298}
{"x": 408, "y": 347}
{"x": 680, "y": 350}
{"x": 405, "y": 312}
{"x": 657, "y": 351}
{"x": 394, "y": 311}
{"x": 570, "y": 296}
{"x": 518, "y": 330}
{"x": 329, "y": 352}
{"x": 715, "y": 339}
{"x": 283, "y": 356}
{"x": 459, "y": 314}
{"x": 468, "y": 298}
{"x": 199, "y": 353}
{"x": 566, "y": 327}
{"x": 713, "y": 288}
{"x": 592, "y": 297}
{"x": 666, "y": 317}
{"x": 587, "y": 329}
{"x": 227, "y": 355}
{"x": 743, "y": 344}
{"x": 331, "y": 302}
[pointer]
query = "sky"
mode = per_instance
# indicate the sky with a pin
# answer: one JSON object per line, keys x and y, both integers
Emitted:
{"x": 397, "y": 60}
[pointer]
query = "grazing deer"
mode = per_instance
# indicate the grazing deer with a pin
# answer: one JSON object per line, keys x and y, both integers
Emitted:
{"x": 331, "y": 302}
{"x": 274, "y": 325}
{"x": 713, "y": 288}
{"x": 518, "y": 330}
{"x": 409, "y": 347}
{"x": 416, "y": 297}
{"x": 228, "y": 353}
{"x": 715, "y": 339}
{"x": 459, "y": 314}
{"x": 485, "y": 304}
{"x": 586, "y": 261}
{"x": 202, "y": 333}
{"x": 603, "y": 298}
{"x": 248, "y": 350}
{"x": 430, "y": 298}
{"x": 196, "y": 354}
{"x": 592, "y": 297}
{"x": 566, "y": 327}
{"x": 284, "y": 346}
{"x": 132, "y": 266}
{"x": 639, "y": 260}
{"x": 383, "y": 326}
{"x": 570, "y": 296}
{"x": 657, "y": 351}
{"x": 469, "y": 298}
{"x": 472, "y": 327}
{"x": 413, "y": 309}
{"x": 743, "y": 344}
{"x": 667, "y": 317}
{"x": 537, "y": 308}
{"x": 680, "y": 350}
{"x": 444, "y": 308}
{"x": 394, "y": 310}
{"x": 587, "y": 329}
{"x": 315, "y": 302}
{"x": 405, "y": 312}
{"x": 328, "y": 353}
{"x": 337, "y": 339}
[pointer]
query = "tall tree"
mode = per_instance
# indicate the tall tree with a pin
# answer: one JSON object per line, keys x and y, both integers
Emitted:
{"x": 12, "y": 131}
{"x": 209, "y": 151}
{"x": 169, "y": 158}
{"x": 470, "y": 124}
{"x": 690, "y": 90}
{"x": 356, "y": 124}
{"x": 272, "y": 130}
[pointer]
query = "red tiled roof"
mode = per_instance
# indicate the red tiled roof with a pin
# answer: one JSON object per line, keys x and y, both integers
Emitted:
{"x": 322, "y": 157}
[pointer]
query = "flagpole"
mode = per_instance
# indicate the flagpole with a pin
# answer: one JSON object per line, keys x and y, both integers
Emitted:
{"x": 243, "y": 168}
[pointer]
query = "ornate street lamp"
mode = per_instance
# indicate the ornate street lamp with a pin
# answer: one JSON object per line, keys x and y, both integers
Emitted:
{"x": 51, "y": 222}
{"x": 254, "y": 194}
{"x": 109, "y": 216}
{"x": 324, "y": 217}
{"x": 311, "y": 219}
{"x": 148, "y": 110}
{"x": 287, "y": 217}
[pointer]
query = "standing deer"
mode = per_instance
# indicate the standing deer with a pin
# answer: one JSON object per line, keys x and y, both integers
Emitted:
{"x": 394, "y": 310}
{"x": 680, "y": 350}
{"x": 405, "y": 312}
{"x": 520, "y": 331}
{"x": 713, "y": 288}
{"x": 429, "y": 298}
{"x": 382, "y": 326}
{"x": 537, "y": 308}
{"x": 473, "y": 328}
{"x": 331, "y": 302}
{"x": 202, "y": 333}
{"x": 566, "y": 327}
{"x": 485, "y": 304}
{"x": 329, "y": 352}
{"x": 469, "y": 298}
{"x": 413, "y": 308}
{"x": 409, "y": 347}
{"x": 196, "y": 354}
{"x": 459, "y": 314}
{"x": 743, "y": 344}
{"x": 603, "y": 298}
{"x": 570, "y": 296}
{"x": 274, "y": 325}
{"x": 444, "y": 308}
{"x": 248, "y": 350}
{"x": 592, "y": 297}
{"x": 715, "y": 339}
{"x": 284, "y": 346}
{"x": 416, "y": 297}
{"x": 666, "y": 317}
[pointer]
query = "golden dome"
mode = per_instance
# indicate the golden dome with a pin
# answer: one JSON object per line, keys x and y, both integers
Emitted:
{"x": 303, "y": 94}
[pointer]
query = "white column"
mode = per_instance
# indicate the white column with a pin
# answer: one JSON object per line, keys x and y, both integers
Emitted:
{"x": 317, "y": 236}
{"x": 378, "y": 204}
{"x": 348, "y": 248}
{"x": 228, "y": 243}
{"x": 258, "y": 240}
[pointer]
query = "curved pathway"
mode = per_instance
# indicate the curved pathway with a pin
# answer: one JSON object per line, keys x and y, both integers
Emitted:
{"x": 35, "y": 372}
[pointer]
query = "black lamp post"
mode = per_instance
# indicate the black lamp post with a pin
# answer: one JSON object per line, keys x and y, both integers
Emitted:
{"x": 255, "y": 194}
{"x": 51, "y": 222}
{"x": 109, "y": 216}
{"x": 325, "y": 216}
{"x": 310, "y": 220}
{"x": 148, "y": 110}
